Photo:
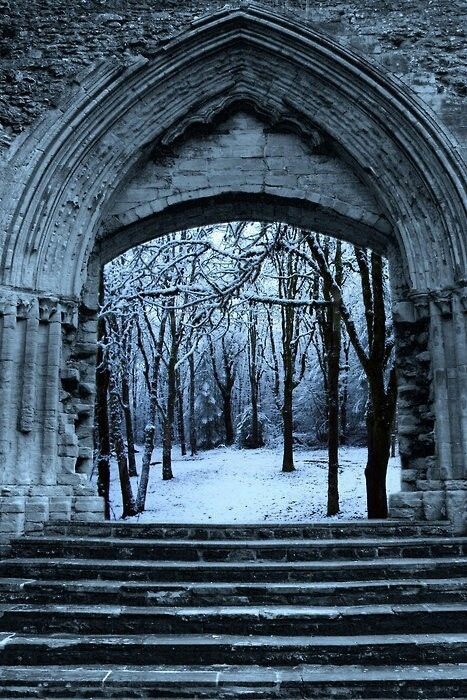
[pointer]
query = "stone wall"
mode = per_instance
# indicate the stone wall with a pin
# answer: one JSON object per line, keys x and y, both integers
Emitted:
{"x": 44, "y": 44}
{"x": 245, "y": 157}
{"x": 432, "y": 409}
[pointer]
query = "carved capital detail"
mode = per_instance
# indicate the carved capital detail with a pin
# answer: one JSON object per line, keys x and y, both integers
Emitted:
{"x": 443, "y": 301}
{"x": 48, "y": 308}
{"x": 24, "y": 307}
{"x": 463, "y": 300}
{"x": 7, "y": 305}
{"x": 69, "y": 311}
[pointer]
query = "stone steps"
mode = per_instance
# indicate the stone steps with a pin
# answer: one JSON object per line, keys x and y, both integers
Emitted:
{"x": 144, "y": 593}
{"x": 147, "y": 649}
{"x": 303, "y": 681}
{"x": 246, "y": 571}
{"x": 368, "y": 610}
{"x": 236, "y": 550}
{"x": 341, "y": 529}
{"x": 293, "y": 620}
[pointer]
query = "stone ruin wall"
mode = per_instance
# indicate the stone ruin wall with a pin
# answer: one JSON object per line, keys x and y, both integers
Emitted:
{"x": 44, "y": 44}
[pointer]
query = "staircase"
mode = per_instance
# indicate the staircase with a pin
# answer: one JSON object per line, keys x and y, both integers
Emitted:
{"x": 335, "y": 610}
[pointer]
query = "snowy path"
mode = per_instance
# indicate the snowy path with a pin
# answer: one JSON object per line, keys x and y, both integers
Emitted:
{"x": 228, "y": 485}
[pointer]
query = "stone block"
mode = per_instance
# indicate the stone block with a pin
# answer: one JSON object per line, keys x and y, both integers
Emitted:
{"x": 70, "y": 479}
{"x": 88, "y": 516}
{"x": 84, "y": 350}
{"x": 456, "y": 508}
{"x": 68, "y": 464}
{"x": 60, "y": 515}
{"x": 49, "y": 491}
{"x": 409, "y": 475}
{"x": 434, "y": 505}
{"x": 88, "y": 503}
{"x": 404, "y": 312}
{"x": 13, "y": 504}
{"x": 11, "y": 523}
{"x": 406, "y": 505}
{"x": 63, "y": 504}
{"x": 84, "y": 489}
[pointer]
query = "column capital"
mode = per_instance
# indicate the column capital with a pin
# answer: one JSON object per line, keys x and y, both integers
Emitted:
{"x": 463, "y": 299}
{"x": 48, "y": 308}
{"x": 26, "y": 307}
{"x": 443, "y": 301}
{"x": 69, "y": 313}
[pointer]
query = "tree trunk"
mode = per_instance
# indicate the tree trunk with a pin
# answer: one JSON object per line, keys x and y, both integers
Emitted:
{"x": 192, "y": 391}
{"x": 288, "y": 361}
{"x": 255, "y": 433}
{"x": 150, "y": 429}
{"x": 130, "y": 440}
{"x": 333, "y": 414}
{"x": 345, "y": 396}
{"x": 225, "y": 386}
{"x": 102, "y": 420}
{"x": 379, "y": 441}
{"x": 380, "y": 418}
{"x": 149, "y": 439}
{"x": 167, "y": 436}
{"x": 227, "y": 414}
{"x": 180, "y": 416}
{"x": 149, "y": 435}
{"x": 333, "y": 361}
{"x": 128, "y": 502}
{"x": 287, "y": 425}
{"x": 256, "y": 439}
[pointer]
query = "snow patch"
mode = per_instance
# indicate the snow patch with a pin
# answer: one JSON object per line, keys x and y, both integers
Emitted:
{"x": 228, "y": 485}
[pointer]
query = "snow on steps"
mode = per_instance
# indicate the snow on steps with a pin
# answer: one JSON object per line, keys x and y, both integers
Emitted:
{"x": 358, "y": 610}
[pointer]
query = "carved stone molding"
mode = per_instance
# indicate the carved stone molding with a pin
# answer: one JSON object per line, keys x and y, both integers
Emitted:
{"x": 69, "y": 311}
{"x": 463, "y": 300}
{"x": 422, "y": 305}
{"x": 48, "y": 308}
{"x": 24, "y": 308}
{"x": 7, "y": 305}
{"x": 443, "y": 301}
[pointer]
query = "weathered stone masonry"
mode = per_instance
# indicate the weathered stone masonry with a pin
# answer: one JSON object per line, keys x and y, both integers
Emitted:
{"x": 246, "y": 115}
{"x": 45, "y": 44}
{"x": 39, "y": 446}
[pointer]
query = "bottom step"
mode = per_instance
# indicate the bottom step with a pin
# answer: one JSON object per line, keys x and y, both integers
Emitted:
{"x": 438, "y": 681}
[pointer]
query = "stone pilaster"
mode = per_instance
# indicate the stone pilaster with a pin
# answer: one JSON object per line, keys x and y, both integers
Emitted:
{"x": 39, "y": 440}
{"x": 432, "y": 372}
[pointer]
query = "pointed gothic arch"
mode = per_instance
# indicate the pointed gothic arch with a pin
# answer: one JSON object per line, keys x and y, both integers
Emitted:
{"x": 112, "y": 167}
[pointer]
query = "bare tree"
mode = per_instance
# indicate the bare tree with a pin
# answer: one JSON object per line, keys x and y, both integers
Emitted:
{"x": 375, "y": 361}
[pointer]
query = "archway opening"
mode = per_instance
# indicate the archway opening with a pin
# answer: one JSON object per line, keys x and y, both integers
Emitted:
{"x": 238, "y": 368}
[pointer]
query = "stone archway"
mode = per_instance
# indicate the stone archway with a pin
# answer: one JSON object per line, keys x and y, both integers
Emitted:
{"x": 246, "y": 115}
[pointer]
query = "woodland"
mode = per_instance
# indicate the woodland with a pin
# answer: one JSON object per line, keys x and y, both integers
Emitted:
{"x": 240, "y": 334}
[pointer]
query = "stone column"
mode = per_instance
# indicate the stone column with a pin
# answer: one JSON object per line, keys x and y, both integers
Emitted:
{"x": 448, "y": 340}
{"x": 432, "y": 378}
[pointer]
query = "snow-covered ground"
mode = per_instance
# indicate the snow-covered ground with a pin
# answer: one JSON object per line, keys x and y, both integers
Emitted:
{"x": 228, "y": 485}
